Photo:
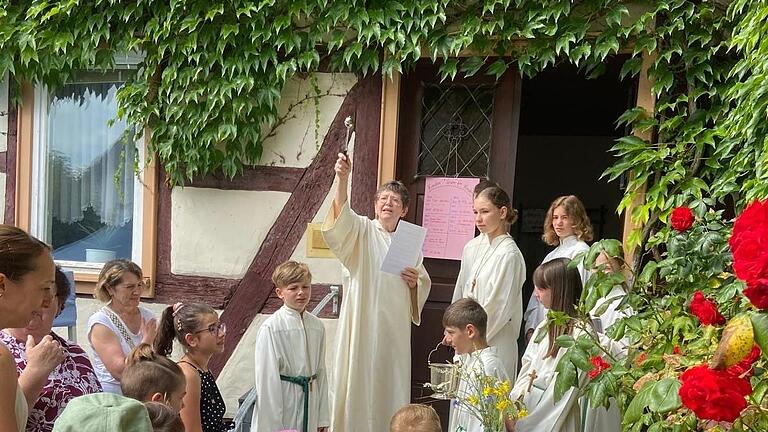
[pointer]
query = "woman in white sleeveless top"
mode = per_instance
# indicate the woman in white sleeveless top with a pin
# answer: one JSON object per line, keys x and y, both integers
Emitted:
{"x": 26, "y": 282}
{"x": 119, "y": 326}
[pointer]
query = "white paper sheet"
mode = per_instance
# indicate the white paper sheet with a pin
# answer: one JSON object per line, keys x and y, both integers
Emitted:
{"x": 405, "y": 248}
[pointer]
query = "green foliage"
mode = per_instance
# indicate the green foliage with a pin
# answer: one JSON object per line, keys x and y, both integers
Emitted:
{"x": 213, "y": 72}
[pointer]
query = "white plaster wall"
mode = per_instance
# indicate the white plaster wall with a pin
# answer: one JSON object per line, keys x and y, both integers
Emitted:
{"x": 217, "y": 233}
{"x": 294, "y": 143}
{"x": 237, "y": 377}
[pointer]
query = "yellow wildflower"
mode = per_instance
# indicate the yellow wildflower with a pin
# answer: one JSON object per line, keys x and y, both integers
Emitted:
{"x": 472, "y": 399}
{"x": 522, "y": 413}
{"x": 502, "y": 405}
{"x": 504, "y": 387}
{"x": 487, "y": 391}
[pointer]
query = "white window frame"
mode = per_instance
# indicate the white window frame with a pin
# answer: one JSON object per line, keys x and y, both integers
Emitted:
{"x": 38, "y": 204}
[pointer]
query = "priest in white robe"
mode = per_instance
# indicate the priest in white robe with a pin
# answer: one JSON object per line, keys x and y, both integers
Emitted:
{"x": 290, "y": 344}
{"x": 372, "y": 375}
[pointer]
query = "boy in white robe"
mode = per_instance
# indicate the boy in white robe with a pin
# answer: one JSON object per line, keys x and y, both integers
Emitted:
{"x": 465, "y": 323}
{"x": 291, "y": 382}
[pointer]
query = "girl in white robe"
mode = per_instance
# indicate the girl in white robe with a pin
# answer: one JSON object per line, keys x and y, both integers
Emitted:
{"x": 493, "y": 271}
{"x": 566, "y": 226}
{"x": 372, "y": 375}
{"x": 558, "y": 288}
{"x": 598, "y": 419}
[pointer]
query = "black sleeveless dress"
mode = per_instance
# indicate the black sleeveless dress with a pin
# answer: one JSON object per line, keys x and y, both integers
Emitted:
{"x": 212, "y": 407}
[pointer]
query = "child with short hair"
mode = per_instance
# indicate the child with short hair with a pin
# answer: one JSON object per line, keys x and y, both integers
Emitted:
{"x": 465, "y": 324}
{"x": 151, "y": 377}
{"x": 415, "y": 418}
{"x": 291, "y": 381}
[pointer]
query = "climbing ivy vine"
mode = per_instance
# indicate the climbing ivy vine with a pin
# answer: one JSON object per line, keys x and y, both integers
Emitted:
{"x": 213, "y": 72}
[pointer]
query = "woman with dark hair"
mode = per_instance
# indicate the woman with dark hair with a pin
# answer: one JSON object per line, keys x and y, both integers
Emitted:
{"x": 558, "y": 288}
{"x": 493, "y": 271}
{"x": 26, "y": 279}
{"x": 566, "y": 226}
{"x": 121, "y": 325}
{"x": 63, "y": 377}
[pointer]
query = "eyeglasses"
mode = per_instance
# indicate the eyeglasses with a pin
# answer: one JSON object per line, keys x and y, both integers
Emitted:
{"x": 216, "y": 329}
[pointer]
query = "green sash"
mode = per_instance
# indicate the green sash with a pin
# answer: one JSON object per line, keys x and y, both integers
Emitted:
{"x": 304, "y": 382}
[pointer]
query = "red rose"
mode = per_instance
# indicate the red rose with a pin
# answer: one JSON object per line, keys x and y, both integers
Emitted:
{"x": 749, "y": 242}
{"x": 757, "y": 292}
{"x": 676, "y": 350}
{"x": 750, "y": 257}
{"x": 599, "y": 365}
{"x": 712, "y": 394}
{"x": 706, "y": 310}
{"x": 681, "y": 219}
{"x": 743, "y": 369}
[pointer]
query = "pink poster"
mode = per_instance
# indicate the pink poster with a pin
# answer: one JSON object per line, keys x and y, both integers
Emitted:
{"x": 448, "y": 216}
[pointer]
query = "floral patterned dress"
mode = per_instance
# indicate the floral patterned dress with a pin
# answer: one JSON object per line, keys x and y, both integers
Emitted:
{"x": 73, "y": 377}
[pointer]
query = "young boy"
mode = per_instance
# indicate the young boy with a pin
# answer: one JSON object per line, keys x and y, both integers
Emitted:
{"x": 415, "y": 418}
{"x": 291, "y": 383}
{"x": 464, "y": 322}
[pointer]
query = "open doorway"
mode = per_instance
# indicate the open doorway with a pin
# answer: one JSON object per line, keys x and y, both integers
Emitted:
{"x": 567, "y": 127}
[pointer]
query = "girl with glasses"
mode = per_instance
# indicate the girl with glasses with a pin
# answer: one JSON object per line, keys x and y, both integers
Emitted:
{"x": 198, "y": 329}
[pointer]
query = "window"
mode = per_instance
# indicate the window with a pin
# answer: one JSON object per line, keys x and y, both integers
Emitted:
{"x": 456, "y": 126}
{"x": 86, "y": 200}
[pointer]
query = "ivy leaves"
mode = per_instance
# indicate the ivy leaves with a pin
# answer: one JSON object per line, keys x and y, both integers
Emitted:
{"x": 213, "y": 72}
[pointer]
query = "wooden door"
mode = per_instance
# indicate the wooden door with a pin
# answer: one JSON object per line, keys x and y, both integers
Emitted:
{"x": 461, "y": 128}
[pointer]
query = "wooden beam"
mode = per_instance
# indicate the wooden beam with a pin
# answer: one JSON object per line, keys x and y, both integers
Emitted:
{"x": 390, "y": 115}
{"x": 255, "y": 178}
{"x": 10, "y": 165}
{"x": 23, "y": 191}
{"x": 149, "y": 204}
{"x": 646, "y": 100}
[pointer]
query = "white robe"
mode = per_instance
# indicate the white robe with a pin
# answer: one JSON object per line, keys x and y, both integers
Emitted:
{"x": 372, "y": 376}
{"x": 544, "y": 414}
{"x": 499, "y": 269}
{"x": 599, "y": 419}
{"x": 487, "y": 362}
{"x": 569, "y": 247}
{"x": 292, "y": 344}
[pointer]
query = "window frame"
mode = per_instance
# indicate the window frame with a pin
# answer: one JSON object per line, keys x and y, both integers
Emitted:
{"x": 31, "y": 146}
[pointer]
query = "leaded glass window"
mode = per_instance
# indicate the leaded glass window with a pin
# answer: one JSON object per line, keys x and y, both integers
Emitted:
{"x": 456, "y": 130}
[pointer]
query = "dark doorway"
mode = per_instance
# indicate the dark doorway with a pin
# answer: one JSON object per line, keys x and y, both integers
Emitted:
{"x": 567, "y": 127}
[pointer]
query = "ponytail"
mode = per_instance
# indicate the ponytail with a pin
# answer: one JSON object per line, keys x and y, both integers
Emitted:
{"x": 178, "y": 320}
{"x": 163, "y": 343}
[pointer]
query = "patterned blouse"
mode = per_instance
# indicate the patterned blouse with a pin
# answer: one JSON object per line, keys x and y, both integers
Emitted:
{"x": 73, "y": 377}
